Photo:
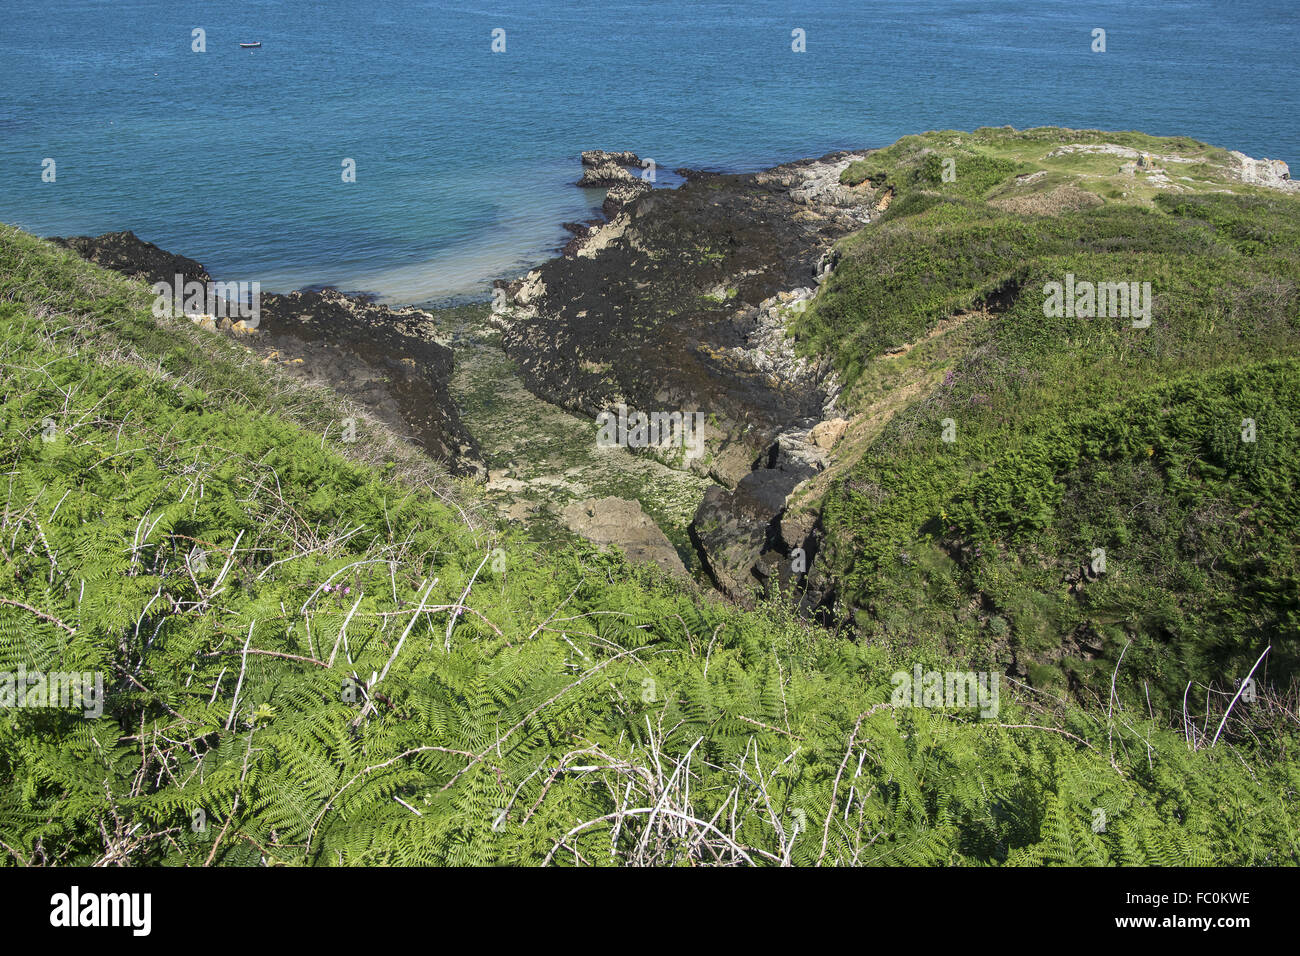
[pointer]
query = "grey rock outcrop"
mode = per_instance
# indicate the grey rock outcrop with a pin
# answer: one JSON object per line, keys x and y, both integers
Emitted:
{"x": 602, "y": 157}
{"x": 741, "y": 535}
{"x": 622, "y": 194}
{"x": 616, "y": 522}
{"x": 602, "y": 168}
{"x": 1271, "y": 173}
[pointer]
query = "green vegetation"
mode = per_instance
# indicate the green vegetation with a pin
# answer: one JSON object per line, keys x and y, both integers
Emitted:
{"x": 319, "y": 653}
{"x": 958, "y": 171}
{"x": 1073, "y": 434}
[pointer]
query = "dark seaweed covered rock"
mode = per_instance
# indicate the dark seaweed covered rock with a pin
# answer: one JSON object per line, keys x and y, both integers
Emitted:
{"x": 127, "y": 253}
{"x": 388, "y": 360}
{"x": 679, "y": 303}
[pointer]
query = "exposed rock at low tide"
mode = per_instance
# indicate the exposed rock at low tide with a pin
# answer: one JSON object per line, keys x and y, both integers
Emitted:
{"x": 621, "y": 194}
{"x": 388, "y": 360}
{"x": 602, "y": 157}
{"x": 127, "y": 253}
{"x": 609, "y": 174}
{"x": 601, "y": 168}
{"x": 683, "y": 301}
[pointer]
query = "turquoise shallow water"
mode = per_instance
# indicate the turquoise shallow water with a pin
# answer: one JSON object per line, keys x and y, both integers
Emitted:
{"x": 465, "y": 157}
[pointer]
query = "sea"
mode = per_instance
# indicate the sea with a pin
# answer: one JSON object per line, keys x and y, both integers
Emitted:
{"x": 417, "y": 150}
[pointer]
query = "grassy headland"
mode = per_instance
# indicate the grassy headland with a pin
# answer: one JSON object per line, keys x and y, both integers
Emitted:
{"x": 973, "y": 518}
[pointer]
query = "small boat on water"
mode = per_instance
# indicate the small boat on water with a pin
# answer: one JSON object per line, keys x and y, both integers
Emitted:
{"x": 251, "y": 46}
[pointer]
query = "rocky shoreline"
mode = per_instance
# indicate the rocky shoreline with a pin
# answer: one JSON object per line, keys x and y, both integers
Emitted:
{"x": 681, "y": 302}
{"x": 678, "y": 302}
{"x": 390, "y": 361}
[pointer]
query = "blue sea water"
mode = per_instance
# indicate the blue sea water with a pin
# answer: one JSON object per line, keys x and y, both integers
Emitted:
{"x": 465, "y": 158}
